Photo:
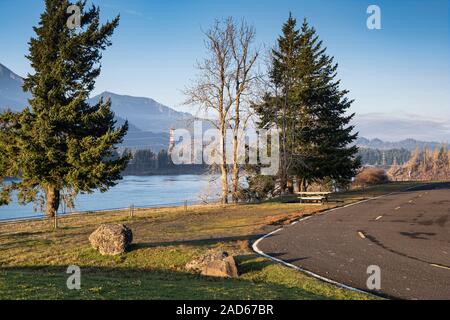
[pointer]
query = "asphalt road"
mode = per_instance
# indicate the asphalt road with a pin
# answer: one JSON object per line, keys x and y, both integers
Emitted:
{"x": 406, "y": 234}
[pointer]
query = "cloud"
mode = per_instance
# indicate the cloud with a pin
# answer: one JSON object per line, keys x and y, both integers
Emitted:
{"x": 125, "y": 11}
{"x": 133, "y": 13}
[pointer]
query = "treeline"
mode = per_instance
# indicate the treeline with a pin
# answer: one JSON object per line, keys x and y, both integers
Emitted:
{"x": 376, "y": 157}
{"x": 424, "y": 165}
{"x": 146, "y": 162}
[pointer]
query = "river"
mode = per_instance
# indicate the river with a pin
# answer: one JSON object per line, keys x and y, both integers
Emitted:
{"x": 148, "y": 191}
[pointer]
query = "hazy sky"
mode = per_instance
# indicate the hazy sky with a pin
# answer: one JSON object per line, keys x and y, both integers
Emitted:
{"x": 401, "y": 69}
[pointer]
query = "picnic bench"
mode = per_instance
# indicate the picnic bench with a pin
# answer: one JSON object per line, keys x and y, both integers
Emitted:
{"x": 314, "y": 197}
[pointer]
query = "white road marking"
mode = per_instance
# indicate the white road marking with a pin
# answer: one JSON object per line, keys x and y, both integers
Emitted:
{"x": 378, "y": 218}
{"x": 439, "y": 266}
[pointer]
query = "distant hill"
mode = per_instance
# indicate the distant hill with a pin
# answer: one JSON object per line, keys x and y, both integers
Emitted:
{"x": 408, "y": 144}
{"x": 150, "y": 121}
{"x": 12, "y": 97}
{"x": 399, "y": 127}
{"x": 11, "y": 93}
{"x": 145, "y": 113}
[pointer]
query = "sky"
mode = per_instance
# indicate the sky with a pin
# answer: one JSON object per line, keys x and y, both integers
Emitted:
{"x": 400, "y": 70}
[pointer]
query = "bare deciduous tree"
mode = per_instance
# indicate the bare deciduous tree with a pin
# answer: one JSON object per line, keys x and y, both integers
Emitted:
{"x": 244, "y": 58}
{"x": 224, "y": 79}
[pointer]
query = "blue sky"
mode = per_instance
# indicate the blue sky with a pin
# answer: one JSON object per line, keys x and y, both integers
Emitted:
{"x": 400, "y": 70}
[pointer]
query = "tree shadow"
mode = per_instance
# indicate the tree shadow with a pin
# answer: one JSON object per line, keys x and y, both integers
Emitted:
{"x": 430, "y": 187}
{"x": 193, "y": 242}
{"x": 50, "y": 282}
{"x": 418, "y": 235}
{"x": 250, "y": 262}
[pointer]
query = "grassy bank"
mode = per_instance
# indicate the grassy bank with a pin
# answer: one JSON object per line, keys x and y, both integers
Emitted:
{"x": 34, "y": 256}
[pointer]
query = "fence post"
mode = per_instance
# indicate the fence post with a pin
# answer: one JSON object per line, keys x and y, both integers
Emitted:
{"x": 185, "y": 205}
{"x": 55, "y": 221}
{"x": 131, "y": 210}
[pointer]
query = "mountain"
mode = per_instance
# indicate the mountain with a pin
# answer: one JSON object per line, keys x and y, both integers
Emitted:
{"x": 11, "y": 93}
{"x": 145, "y": 113}
{"x": 402, "y": 127}
{"x": 150, "y": 121}
{"x": 13, "y": 97}
{"x": 408, "y": 144}
{"x": 142, "y": 140}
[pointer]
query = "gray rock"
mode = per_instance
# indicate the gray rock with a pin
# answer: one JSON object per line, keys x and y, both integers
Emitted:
{"x": 214, "y": 264}
{"x": 225, "y": 268}
{"x": 111, "y": 239}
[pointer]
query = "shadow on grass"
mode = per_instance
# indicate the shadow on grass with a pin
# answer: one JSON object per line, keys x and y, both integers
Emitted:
{"x": 248, "y": 263}
{"x": 429, "y": 186}
{"x": 194, "y": 242}
{"x": 49, "y": 282}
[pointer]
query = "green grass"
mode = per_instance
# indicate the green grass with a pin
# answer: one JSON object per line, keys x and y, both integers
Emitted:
{"x": 34, "y": 257}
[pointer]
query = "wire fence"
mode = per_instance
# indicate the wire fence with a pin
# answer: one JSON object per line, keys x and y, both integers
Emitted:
{"x": 130, "y": 208}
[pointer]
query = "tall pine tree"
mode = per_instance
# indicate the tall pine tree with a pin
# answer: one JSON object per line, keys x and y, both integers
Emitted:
{"x": 323, "y": 118}
{"x": 276, "y": 106}
{"x": 312, "y": 110}
{"x": 61, "y": 145}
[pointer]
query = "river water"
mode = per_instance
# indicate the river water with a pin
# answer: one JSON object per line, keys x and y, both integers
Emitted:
{"x": 148, "y": 191}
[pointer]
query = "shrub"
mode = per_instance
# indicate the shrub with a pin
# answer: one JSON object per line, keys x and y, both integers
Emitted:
{"x": 371, "y": 176}
{"x": 259, "y": 188}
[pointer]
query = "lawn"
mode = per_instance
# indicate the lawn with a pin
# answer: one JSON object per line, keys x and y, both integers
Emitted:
{"x": 34, "y": 256}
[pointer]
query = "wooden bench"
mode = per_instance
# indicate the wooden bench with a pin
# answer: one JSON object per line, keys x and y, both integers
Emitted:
{"x": 317, "y": 197}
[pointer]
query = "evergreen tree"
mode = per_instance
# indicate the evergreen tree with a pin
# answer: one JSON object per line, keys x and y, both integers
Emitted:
{"x": 61, "y": 145}
{"x": 311, "y": 109}
{"x": 164, "y": 160}
{"x": 275, "y": 108}
{"x": 327, "y": 124}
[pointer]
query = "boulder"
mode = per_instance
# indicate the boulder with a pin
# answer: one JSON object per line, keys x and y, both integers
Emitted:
{"x": 214, "y": 264}
{"x": 225, "y": 268}
{"x": 111, "y": 239}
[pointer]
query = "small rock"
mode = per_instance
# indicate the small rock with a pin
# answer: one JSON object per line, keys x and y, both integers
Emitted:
{"x": 214, "y": 264}
{"x": 225, "y": 268}
{"x": 111, "y": 239}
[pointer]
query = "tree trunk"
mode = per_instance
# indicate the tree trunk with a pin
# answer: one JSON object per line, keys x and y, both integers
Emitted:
{"x": 52, "y": 196}
{"x": 235, "y": 177}
{"x": 299, "y": 184}
{"x": 223, "y": 166}
{"x": 283, "y": 182}
{"x": 224, "y": 183}
{"x": 305, "y": 185}
{"x": 290, "y": 185}
{"x": 235, "y": 173}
